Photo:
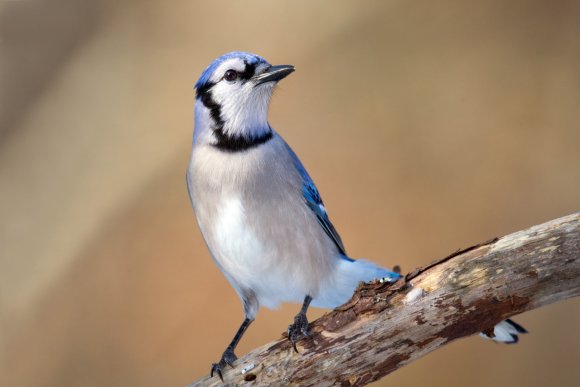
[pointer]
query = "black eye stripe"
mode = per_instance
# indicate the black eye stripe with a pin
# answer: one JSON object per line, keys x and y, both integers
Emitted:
{"x": 249, "y": 71}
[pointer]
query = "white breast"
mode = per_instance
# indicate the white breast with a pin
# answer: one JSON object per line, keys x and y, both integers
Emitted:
{"x": 252, "y": 262}
{"x": 239, "y": 247}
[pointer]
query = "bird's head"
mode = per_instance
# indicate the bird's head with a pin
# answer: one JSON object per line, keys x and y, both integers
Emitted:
{"x": 233, "y": 95}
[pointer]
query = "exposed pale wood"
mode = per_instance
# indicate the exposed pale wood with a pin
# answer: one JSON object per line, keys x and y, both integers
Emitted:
{"x": 385, "y": 327}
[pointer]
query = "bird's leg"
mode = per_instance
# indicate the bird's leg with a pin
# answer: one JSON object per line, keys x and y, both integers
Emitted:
{"x": 229, "y": 357}
{"x": 300, "y": 326}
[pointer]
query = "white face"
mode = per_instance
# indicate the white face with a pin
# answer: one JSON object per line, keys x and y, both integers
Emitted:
{"x": 244, "y": 105}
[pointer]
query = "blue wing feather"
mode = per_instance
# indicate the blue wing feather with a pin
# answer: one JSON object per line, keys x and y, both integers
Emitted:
{"x": 314, "y": 202}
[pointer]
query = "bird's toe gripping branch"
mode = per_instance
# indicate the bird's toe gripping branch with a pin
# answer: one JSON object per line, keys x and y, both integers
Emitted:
{"x": 298, "y": 330}
{"x": 228, "y": 358}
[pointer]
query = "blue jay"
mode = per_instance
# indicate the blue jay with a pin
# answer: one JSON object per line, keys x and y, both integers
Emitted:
{"x": 260, "y": 214}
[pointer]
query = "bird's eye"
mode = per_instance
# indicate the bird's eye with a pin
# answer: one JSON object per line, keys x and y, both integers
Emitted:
{"x": 231, "y": 75}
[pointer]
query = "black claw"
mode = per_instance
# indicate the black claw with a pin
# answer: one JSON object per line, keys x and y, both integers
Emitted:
{"x": 298, "y": 329}
{"x": 228, "y": 358}
{"x": 217, "y": 368}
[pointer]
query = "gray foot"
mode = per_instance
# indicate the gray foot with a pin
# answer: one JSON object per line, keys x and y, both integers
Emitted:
{"x": 298, "y": 329}
{"x": 228, "y": 358}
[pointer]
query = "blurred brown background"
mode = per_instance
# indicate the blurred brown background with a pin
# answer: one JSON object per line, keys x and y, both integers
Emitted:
{"x": 427, "y": 126}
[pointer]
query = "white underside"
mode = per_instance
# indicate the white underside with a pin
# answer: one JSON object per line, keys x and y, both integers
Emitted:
{"x": 235, "y": 238}
{"x": 250, "y": 263}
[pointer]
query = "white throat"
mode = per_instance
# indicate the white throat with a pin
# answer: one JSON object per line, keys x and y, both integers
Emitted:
{"x": 244, "y": 111}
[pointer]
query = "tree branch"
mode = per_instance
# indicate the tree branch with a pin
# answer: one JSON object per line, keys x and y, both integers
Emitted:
{"x": 383, "y": 328}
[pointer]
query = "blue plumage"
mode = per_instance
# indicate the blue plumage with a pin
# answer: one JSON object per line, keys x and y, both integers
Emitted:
{"x": 314, "y": 202}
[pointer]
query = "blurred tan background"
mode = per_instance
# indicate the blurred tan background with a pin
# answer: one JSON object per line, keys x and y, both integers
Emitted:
{"x": 427, "y": 126}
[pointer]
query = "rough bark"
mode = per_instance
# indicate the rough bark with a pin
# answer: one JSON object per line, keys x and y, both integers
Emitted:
{"x": 384, "y": 327}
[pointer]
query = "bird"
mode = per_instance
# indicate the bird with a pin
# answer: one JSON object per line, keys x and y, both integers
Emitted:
{"x": 259, "y": 212}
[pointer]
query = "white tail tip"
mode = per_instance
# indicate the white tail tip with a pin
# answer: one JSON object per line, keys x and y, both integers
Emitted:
{"x": 505, "y": 332}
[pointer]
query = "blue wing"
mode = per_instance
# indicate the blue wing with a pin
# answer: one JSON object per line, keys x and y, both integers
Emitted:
{"x": 314, "y": 202}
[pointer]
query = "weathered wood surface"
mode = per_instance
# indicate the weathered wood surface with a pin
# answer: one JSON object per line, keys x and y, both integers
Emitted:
{"x": 385, "y": 327}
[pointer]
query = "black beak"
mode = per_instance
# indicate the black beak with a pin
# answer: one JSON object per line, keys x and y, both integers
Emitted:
{"x": 274, "y": 74}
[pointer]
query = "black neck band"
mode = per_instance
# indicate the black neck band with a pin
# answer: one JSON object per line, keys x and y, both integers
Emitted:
{"x": 230, "y": 143}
